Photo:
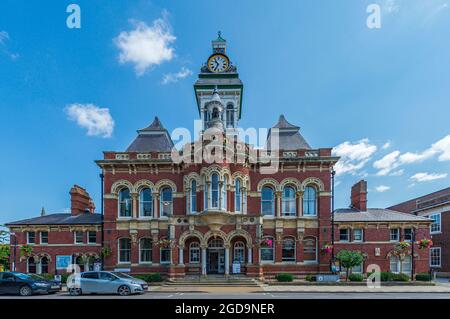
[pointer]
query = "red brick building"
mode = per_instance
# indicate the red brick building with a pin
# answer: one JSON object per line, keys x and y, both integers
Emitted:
{"x": 219, "y": 206}
{"x": 435, "y": 206}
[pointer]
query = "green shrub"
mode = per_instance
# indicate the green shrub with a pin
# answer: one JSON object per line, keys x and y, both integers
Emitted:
{"x": 64, "y": 278}
{"x": 156, "y": 277}
{"x": 284, "y": 277}
{"x": 401, "y": 277}
{"x": 356, "y": 277}
{"x": 423, "y": 276}
{"x": 310, "y": 278}
{"x": 386, "y": 276}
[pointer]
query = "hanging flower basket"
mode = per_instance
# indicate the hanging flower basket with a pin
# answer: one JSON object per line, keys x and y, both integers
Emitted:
{"x": 266, "y": 243}
{"x": 164, "y": 242}
{"x": 26, "y": 250}
{"x": 402, "y": 245}
{"x": 425, "y": 243}
{"x": 327, "y": 248}
{"x": 106, "y": 251}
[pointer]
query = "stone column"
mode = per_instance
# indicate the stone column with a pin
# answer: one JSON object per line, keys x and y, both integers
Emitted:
{"x": 299, "y": 203}
{"x": 204, "y": 261}
{"x": 221, "y": 185}
{"x": 227, "y": 260}
{"x": 278, "y": 203}
{"x": 180, "y": 256}
{"x": 249, "y": 255}
{"x": 134, "y": 205}
{"x": 207, "y": 195}
{"x": 188, "y": 201}
{"x": 244, "y": 200}
{"x": 155, "y": 205}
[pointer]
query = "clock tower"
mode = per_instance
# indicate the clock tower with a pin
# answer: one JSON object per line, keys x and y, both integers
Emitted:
{"x": 218, "y": 90}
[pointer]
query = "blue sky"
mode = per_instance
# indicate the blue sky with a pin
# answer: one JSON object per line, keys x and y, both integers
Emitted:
{"x": 380, "y": 95}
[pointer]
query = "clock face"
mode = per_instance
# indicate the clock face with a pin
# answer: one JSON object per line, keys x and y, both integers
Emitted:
{"x": 218, "y": 63}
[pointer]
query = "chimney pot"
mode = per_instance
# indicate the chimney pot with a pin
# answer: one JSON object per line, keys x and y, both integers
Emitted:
{"x": 359, "y": 196}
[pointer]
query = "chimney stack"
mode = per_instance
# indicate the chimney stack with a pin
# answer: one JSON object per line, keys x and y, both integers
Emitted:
{"x": 80, "y": 201}
{"x": 359, "y": 196}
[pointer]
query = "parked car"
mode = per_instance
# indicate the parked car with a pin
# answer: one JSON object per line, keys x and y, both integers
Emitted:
{"x": 106, "y": 282}
{"x": 26, "y": 284}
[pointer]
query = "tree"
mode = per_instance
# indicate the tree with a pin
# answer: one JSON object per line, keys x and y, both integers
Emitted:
{"x": 349, "y": 259}
{"x": 4, "y": 256}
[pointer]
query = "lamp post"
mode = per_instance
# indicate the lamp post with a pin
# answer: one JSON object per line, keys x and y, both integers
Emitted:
{"x": 13, "y": 268}
{"x": 102, "y": 213}
{"x": 413, "y": 240}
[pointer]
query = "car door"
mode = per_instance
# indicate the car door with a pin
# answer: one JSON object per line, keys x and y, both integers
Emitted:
{"x": 108, "y": 283}
{"x": 89, "y": 281}
{"x": 8, "y": 283}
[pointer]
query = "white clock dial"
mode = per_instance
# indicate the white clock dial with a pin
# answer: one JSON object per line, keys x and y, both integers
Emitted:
{"x": 218, "y": 63}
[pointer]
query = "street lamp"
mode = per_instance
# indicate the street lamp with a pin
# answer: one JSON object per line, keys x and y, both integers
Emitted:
{"x": 413, "y": 239}
{"x": 333, "y": 172}
{"x": 14, "y": 251}
{"x": 102, "y": 213}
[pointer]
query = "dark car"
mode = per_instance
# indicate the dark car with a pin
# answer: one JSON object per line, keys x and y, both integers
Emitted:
{"x": 26, "y": 284}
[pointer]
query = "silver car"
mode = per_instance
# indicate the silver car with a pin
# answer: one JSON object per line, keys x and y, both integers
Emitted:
{"x": 106, "y": 282}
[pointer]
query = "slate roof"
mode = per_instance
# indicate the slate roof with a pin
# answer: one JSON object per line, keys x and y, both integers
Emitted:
{"x": 375, "y": 215}
{"x": 153, "y": 138}
{"x": 289, "y": 136}
{"x": 60, "y": 219}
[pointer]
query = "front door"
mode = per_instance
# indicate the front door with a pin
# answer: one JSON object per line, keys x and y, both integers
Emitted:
{"x": 216, "y": 261}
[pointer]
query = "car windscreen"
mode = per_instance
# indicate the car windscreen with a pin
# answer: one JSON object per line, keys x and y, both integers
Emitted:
{"x": 29, "y": 276}
{"x": 122, "y": 275}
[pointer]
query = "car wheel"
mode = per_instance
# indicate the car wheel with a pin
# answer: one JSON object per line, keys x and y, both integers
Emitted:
{"x": 75, "y": 291}
{"x": 25, "y": 291}
{"x": 124, "y": 290}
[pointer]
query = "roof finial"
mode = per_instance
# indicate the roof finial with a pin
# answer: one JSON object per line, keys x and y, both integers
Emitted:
{"x": 219, "y": 33}
{"x": 43, "y": 211}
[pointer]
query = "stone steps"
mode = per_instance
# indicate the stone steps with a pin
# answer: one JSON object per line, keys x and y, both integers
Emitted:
{"x": 219, "y": 281}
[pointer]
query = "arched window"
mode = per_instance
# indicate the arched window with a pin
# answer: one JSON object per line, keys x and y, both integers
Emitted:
{"x": 267, "y": 201}
{"x": 230, "y": 115}
{"x": 125, "y": 203}
{"x": 288, "y": 249}
{"x": 215, "y": 190}
{"x": 166, "y": 201}
{"x": 145, "y": 250}
{"x": 193, "y": 204}
{"x": 44, "y": 265}
{"x": 239, "y": 252}
{"x": 124, "y": 250}
{"x": 194, "y": 253}
{"x": 224, "y": 194}
{"x": 267, "y": 250}
{"x": 146, "y": 202}
{"x": 216, "y": 243}
{"x": 31, "y": 265}
{"x": 310, "y": 201}
{"x": 309, "y": 249}
{"x": 237, "y": 196}
{"x": 288, "y": 202}
{"x": 215, "y": 113}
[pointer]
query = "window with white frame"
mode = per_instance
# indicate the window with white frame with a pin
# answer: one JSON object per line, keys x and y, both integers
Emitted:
{"x": 193, "y": 198}
{"x": 165, "y": 255}
{"x": 357, "y": 234}
{"x": 194, "y": 253}
{"x": 92, "y": 237}
{"x": 436, "y": 225}
{"x": 237, "y": 196}
{"x": 145, "y": 203}
{"x": 124, "y": 250}
{"x": 239, "y": 252}
{"x": 31, "y": 237}
{"x": 310, "y": 201}
{"x": 267, "y": 201}
{"x": 44, "y": 238}
{"x": 125, "y": 203}
{"x": 309, "y": 249}
{"x": 31, "y": 265}
{"x": 78, "y": 237}
{"x": 267, "y": 250}
{"x": 145, "y": 250}
{"x": 214, "y": 190}
{"x": 435, "y": 257}
{"x": 408, "y": 234}
{"x": 394, "y": 234}
{"x": 344, "y": 234}
{"x": 396, "y": 264}
{"x": 288, "y": 250}
{"x": 166, "y": 201}
{"x": 288, "y": 204}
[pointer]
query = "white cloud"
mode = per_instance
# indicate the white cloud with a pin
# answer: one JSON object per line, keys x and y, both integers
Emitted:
{"x": 391, "y": 6}
{"x": 382, "y": 188}
{"x": 391, "y": 161}
{"x": 426, "y": 177}
{"x": 175, "y": 77}
{"x": 386, "y": 145}
{"x": 353, "y": 156}
{"x": 4, "y": 36}
{"x": 415, "y": 11}
{"x": 146, "y": 46}
{"x": 96, "y": 120}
